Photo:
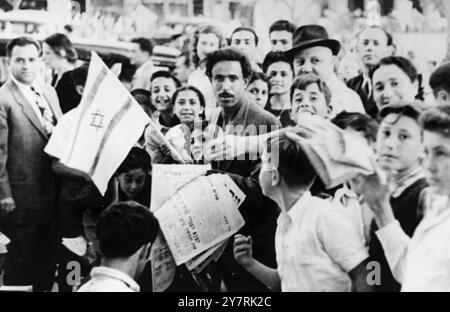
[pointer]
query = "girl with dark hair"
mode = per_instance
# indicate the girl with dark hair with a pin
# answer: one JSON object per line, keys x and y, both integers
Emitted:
{"x": 207, "y": 38}
{"x": 190, "y": 135}
{"x": 396, "y": 81}
{"x": 60, "y": 55}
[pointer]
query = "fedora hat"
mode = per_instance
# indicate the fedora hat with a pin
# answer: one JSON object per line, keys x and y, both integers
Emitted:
{"x": 309, "y": 36}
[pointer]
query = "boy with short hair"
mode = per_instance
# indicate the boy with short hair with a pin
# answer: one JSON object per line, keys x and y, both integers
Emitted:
{"x": 317, "y": 248}
{"x": 311, "y": 95}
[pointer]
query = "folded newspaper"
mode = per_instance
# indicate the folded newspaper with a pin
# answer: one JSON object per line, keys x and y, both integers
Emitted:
{"x": 197, "y": 215}
{"x": 336, "y": 154}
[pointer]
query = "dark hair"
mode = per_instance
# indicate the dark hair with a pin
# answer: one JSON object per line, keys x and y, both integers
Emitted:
{"x": 389, "y": 37}
{"x": 68, "y": 28}
{"x": 275, "y": 57}
{"x": 200, "y": 96}
{"x": 281, "y": 25}
{"x": 408, "y": 110}
{"x": 246, "y": 29}
{"x": 204, "y": 29}
{"x": 166, "y": 74}
{"x": 440, "y": 79}
{"x": 303, "y": 81}
{"x": 358, "y": 122}
{"x": 137, "y": 158}
{"x": 142, "y": 96}
{"x": 79, "y": 75}
{"x": 436, "y": 119}
{"x": 62, "y": 46}
{"x": 259, "y": 76}
{"x": 229, "y": 54}
{"x": 21, "y": 42}
{"x": 407, "y": 67}
{"x": 123, "y": 228}
{"x": 144, "y": 44}
{"x": 292, "y": 163}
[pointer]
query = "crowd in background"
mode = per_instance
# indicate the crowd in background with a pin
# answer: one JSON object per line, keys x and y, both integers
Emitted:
{"x": 298, "y": 235}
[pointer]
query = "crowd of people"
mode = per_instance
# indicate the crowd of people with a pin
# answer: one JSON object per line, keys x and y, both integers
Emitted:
{"x": 298, "y": 235}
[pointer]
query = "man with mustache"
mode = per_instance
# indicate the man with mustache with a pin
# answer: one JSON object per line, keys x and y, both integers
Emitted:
{"x": 314, "y": 52}
{"x": 374, "y": 43}
{"x": 230, "y": 71}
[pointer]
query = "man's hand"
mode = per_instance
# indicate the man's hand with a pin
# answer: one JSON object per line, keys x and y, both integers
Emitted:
{"x": 243, "y": 250}
{"x": 226, "y": 147}
{"x": 7, "y": 205}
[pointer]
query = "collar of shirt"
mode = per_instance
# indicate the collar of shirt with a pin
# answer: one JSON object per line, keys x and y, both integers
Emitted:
{"x": 402, "y": 184}
{"x": 344, "y": 194}
{"x": 117, "y": 275}
{"x": 30, "y": 96}
{"x": 146, "y": 65}
{"x": 294, "y": 214}
{"x": 26, "y": 88}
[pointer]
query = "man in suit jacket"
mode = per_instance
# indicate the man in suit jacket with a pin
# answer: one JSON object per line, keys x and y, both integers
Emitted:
{"x": 230, "y": 71}
{"x": 374, "y": 43}
{"x": 28, "y": 112}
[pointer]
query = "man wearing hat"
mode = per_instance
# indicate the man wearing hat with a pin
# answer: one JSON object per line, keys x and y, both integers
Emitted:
{"x": 314, "y": 52}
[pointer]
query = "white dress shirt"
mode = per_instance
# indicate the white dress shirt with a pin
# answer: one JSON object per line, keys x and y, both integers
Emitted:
{"x": 109, "y": 280}
{"x": 421, "y": 263}
{"x": 343, "y": 98}
{"x": 316, "y": 247}
{"x": 142, "y": 76}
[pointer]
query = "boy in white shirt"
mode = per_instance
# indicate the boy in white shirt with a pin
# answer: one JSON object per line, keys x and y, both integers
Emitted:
{"x": 317, "y": 247}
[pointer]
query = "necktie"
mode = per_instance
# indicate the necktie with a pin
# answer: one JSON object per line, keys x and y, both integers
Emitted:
{"x": 47, "y": 115}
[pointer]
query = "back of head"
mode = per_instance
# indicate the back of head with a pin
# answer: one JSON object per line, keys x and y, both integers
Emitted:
{"x": 282, "y": 25}
{"x": 62, "y": 46}
{"x": 437, "y": 119}
{"x": 440, "y": 79}
{"x": 291, "y": 161}
{"x": 358, "y": 122}
{"x": 123, "y": 228}
{"x": 231, "y": 55}
{"x": 144, "y": 44}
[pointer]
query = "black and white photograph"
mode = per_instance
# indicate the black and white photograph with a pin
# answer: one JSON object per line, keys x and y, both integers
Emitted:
{"x": 224, "y": 151}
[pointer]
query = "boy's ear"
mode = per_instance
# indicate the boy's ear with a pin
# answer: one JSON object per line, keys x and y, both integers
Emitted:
{"x": 276, "y": 178}
{"x": 330, "y": 110}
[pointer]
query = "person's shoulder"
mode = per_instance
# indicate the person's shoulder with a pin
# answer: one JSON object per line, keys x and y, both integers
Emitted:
{"x": 259, "y": 116}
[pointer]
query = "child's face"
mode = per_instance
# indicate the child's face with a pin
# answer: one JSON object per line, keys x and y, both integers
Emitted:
{"x": 132, "y": 182}
{"x": 258, "y": 91}
{"x": 187, "y": 107}
{"x": 309, "y": 101}
{"x": 399, "y": 143}
{"x": 162, "y": 91}
{"x": 280, "y": 76}
{"x": 437, "y": 161}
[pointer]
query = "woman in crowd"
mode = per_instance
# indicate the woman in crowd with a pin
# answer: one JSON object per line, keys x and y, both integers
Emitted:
{"x": 206, "y": 39}
{"x": 280, "y": 72}
{"x": 396, "y": 81}
{"x": 258, "y": 89}
{"x": 60, "y": 55}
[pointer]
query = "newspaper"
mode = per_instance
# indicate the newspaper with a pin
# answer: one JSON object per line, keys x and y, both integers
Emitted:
{"x": 163, "y": 265}
{"x": 196, "y": 261}
{"x": 4, "y": 241}
{"x": 167, "y": 179}
{"x": 201, "y": 215}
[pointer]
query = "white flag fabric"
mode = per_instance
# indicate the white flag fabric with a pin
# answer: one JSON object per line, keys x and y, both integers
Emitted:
{"x": 109, "y": 124}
